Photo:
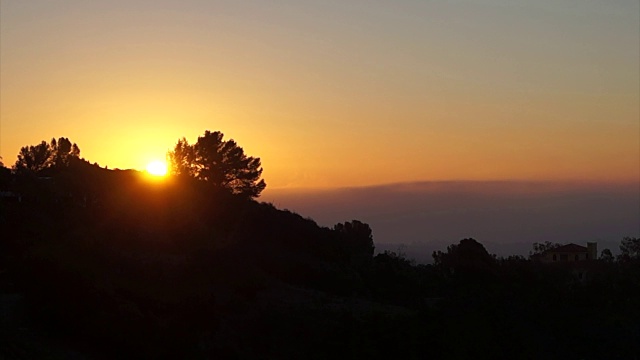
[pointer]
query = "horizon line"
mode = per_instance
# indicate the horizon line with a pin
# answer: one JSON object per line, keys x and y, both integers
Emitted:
{"x": 395, "y": 184}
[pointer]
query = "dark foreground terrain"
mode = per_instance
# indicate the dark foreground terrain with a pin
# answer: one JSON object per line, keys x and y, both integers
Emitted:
{"x": 100, "y": 264}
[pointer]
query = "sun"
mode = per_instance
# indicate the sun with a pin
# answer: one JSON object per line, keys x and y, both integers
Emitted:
{"x": 157, "y": 168}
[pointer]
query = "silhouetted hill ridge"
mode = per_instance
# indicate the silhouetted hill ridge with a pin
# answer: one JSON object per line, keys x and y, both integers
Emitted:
{"x": 110, "y": 262}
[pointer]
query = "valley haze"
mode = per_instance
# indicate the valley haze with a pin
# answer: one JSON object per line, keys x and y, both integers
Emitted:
{"x": 417, "y": 218}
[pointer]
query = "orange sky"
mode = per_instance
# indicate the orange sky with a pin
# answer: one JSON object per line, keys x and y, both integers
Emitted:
{"x": 333, "y": 94}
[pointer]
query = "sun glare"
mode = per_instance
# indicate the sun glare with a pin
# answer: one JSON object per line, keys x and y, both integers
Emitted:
{"x": 157, "y": 168}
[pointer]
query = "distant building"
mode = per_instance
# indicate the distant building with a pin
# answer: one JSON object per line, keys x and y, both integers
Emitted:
{"x": 571, "y": 253}
{"x": 575, "y": 256}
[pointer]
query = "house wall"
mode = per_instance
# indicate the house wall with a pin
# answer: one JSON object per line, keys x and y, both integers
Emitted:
{"x": 560, "y": 256}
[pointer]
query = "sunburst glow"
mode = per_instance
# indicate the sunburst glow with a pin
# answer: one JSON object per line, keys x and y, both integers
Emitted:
{"x": 157, "y": 168}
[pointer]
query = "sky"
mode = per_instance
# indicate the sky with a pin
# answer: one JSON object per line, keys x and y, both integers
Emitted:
{"x": 333, "y": 94}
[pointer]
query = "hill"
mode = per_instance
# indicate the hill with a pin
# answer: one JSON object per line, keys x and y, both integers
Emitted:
{"x": 98, "y": 263}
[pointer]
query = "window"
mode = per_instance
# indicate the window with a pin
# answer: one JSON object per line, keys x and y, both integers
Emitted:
{"x": 554, "y": 257}
{"x": 577, "y": 257}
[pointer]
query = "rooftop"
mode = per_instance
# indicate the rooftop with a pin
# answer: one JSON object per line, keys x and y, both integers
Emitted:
{"x": 569, "y": 248}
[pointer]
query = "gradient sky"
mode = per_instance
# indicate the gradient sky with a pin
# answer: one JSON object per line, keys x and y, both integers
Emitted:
{"x": 333, "y": 93}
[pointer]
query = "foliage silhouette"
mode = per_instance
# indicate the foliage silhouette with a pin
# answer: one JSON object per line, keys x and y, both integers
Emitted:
{"x": 36, "y": 158}
{"x": 357, "y": 240}
{"x": 629, "y": 249}
{"x": 468, "y": 256}
{"x": 221, "y": 163}
{"x": 539, "y": 248}
{"x": 63, "y": 151}
{"x": 606, "y": 255}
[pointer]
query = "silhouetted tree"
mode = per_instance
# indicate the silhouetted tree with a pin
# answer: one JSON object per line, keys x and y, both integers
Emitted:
{"x": 62, "y": 151}
{"x": 182, "y": 159}
{"x": 630, "y": 249}
{"x": 467, "y": 257}
{"x": 218, "y": 162}
{"x": 357, "y": 240}
{"x": 33, "y": 158}
{"x": 606, "y": 255}
{"x": 539, "y": 248}
{"x": 36, "y": 158}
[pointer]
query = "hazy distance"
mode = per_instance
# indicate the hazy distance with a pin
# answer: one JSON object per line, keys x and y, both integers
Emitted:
{"x": 506, "y": 216}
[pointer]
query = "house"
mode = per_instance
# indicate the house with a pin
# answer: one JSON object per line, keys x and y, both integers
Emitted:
{"x": 571, "y": 253}
{"x": 576, "y": 257}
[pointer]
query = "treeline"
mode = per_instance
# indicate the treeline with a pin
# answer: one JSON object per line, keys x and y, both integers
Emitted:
{"x": 114, "y": 265}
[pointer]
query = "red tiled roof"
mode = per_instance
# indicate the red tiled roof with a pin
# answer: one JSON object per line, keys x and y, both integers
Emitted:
{"x": 569, "y": 248}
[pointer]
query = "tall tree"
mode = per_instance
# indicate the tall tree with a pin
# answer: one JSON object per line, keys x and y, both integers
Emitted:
{"x": 43, "y": 156}
{"x": 218, "y": 162}
{"x": 606, "y": 255}
{"x": 629, "y": 249}
{"x": 62, "y": 151}
{"x": 539, "y": 248}
{"x": 469, "y": 256}
{"x": 356, "y": 240}
{"x": 34, "y": 158}
{"x": 181, "y": 158}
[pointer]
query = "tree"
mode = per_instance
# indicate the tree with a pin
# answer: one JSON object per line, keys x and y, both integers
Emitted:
{"x": 539, "y": 248}
{"x": 356, "y": 240}
{"x": 62, "y": 151}
{"x": 33, "y": 158}
{"x": 630, "y": 249}
{"x": 606, "y": 255}
{"x": 43, "y": 156}
{"x": 467, "y": 257}
{"x": 181, "y": 159}
{"x": 221, "y": 163}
